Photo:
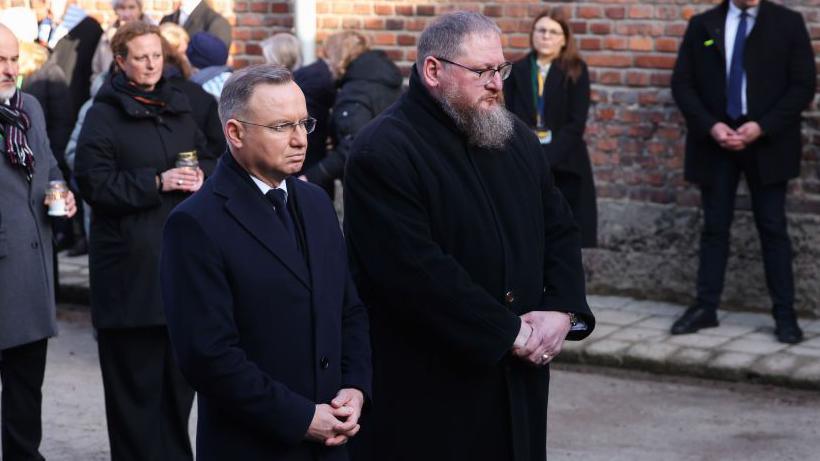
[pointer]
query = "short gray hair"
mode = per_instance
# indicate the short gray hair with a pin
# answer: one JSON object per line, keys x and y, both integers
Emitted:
{"x": 282, "y": 48}
{"x": 238, "y": 88}
{"x": 444, "y": 36}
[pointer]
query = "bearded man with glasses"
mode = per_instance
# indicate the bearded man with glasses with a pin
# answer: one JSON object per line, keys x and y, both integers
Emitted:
{"x": 262, "y": 311}
{"x": 467, "y": 257}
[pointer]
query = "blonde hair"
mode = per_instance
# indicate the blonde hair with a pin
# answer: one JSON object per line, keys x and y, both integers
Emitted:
{"x": 175, "y": 35}
{"x": 282, "y": 48}
{"x": 342, "y": 48}
{"x": 32, "y": 58}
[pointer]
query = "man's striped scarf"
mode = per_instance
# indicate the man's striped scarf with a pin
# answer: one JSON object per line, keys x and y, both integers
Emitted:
{"x": 14, "y": 123}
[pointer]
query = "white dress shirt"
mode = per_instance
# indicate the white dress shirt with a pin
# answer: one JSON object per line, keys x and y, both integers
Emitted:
{"x": 265, "y": 188}
{"x": 730, "y": 29}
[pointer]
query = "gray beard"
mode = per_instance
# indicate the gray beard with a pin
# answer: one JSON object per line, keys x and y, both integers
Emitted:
{"x": 489, "y": 129}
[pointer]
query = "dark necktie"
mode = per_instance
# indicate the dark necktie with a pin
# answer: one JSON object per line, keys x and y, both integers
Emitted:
{"x": 734, "y": 101}
{"x": 277, "y": 197}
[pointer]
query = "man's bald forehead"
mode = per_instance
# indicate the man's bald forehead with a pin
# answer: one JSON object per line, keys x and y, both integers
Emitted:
{"x": 6, "y": 33}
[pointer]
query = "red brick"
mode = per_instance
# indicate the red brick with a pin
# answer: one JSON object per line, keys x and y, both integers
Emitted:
{"x": 600, "y": 28}
{"x": 384, "y": 38}
{"x": 394, "y": 24}
{"x": 280, "y": 8}
{"x": 656, "y": 61}
{"x": 641, "y": 43}
{"x": 362, "y": 8}
{"x": 615, "y": 12}
{"x": 492, "y": 11}
{"x": 383, "y": 10}
{"x": 342, "y": 8}
{"x": 406, "y": 40}
{"x": 667, "y": 44}
{"x": 589, "y": 12}
{"x": 404, "y": 10}
{"x": 609, "y": 78}
{"x": 331, "y": 22}
{"x": 519, "y": 41}
{"x": 374, "y": 24}
{"x": 259, "y": 7}
{"x": 578, "y": 27}
{"x": 609, "y": 60}
{"x": 637, "y": 78}
{"x": 615, "y": 43}
{"x": 425, "y": 10}
{"x": 593, "y": 43}
{"x": 351, "y": 23}
{"x": 640, "y": 12}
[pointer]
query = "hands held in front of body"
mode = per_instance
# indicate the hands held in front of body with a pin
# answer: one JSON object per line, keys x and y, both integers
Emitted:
{"x": 549, "y": 329}
{"x": 736, "y": 140}
{"x": 183, "y": 179}
{"x": 334, "y": 424}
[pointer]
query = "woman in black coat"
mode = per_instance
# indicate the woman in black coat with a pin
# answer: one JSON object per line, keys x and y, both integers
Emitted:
{"x": 125, "y": 168}
{"x": 549, "y": 91}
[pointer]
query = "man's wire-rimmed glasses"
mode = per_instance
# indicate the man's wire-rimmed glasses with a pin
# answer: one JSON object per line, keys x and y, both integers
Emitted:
{"x": 309, "y": 124}
{"x": 485, "y": 76}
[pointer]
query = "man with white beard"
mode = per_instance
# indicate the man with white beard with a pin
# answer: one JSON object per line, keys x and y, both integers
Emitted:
{"x": 467, "y": 257}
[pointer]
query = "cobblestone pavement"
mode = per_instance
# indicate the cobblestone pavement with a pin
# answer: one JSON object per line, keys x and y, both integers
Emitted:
{"x": 634, "y": 334}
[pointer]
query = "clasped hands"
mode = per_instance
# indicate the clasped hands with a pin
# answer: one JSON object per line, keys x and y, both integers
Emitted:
{"x": 735, "y": 140}
{"x": 334, "y": 424}
{"x": 541, "y": 336}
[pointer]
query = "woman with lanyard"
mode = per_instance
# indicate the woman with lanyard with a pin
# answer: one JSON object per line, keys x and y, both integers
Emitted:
{"x": 549, "y": 91}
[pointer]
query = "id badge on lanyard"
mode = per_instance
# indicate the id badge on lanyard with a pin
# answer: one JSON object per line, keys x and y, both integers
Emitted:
{"x": 544, "y": 134}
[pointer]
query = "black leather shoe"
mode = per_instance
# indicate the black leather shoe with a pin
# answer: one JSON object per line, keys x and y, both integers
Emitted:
{"x": 787, "y": 331}
{"x": 693, "y": 320}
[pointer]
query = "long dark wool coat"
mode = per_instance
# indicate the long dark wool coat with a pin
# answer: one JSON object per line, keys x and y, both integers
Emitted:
{"x": 449, "y": 245}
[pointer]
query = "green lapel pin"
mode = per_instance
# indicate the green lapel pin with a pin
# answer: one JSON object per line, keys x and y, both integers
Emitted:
{"x": 709, "y": 42}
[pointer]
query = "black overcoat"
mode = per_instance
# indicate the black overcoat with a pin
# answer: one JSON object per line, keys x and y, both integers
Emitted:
{"x": 317, "y": 83}
{"x": 780, "y": 84}
{"x": 121, "y": 149}
{"x": 449, "y": 245}
{"x": 565, "y": 113}
{"x": 261, "y": 335}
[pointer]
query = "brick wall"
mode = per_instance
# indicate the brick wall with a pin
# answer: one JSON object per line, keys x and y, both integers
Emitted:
{"x": 648, "y": 214}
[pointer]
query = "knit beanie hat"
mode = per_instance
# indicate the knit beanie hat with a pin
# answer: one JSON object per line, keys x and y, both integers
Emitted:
{"x": 206, "y": 50}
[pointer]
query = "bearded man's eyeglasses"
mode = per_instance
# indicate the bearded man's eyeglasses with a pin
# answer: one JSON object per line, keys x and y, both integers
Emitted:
{"x": 485, "y": 76}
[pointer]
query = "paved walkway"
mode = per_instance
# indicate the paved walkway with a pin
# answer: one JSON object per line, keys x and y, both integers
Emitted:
{"x": 635, "y": 334}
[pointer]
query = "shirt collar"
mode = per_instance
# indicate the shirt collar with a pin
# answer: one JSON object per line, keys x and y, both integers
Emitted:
{"x": 265, "y": 188}
{"x": 735, "y": 11}
{"x": 188, "y": 6}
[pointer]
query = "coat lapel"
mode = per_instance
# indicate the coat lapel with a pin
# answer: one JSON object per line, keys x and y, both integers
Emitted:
{"x": 246, "y": 204}
{"x": 312, "y": 224}
{"x": 715, "y": 23}
{"x": 196, "y": 19}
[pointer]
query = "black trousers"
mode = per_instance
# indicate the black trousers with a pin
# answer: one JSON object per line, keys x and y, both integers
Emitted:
{"x": 769, "y": 209}
{"x": 147, "y": 400}
{"x": 21, "y": 372}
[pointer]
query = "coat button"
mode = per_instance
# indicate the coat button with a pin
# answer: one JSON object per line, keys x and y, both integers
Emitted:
{"x": 324, "y": 363}
{"x": 35, "y": 245}
{"x": 509, "y": 297}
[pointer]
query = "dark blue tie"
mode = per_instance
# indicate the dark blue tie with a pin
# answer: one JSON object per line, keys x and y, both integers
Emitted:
{"x": 277, "y": 197}
{"x": 734, "y": 102}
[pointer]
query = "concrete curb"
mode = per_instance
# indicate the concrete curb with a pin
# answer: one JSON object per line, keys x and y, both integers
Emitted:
{"x": 634, "y": 334}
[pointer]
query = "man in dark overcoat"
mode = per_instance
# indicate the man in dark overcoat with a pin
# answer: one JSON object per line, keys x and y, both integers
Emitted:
{"x": 27, "y": 309}
{"x": 262, "y": 310}
{"x": 467, "y": 257}
{"x": 744, "y": 73}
